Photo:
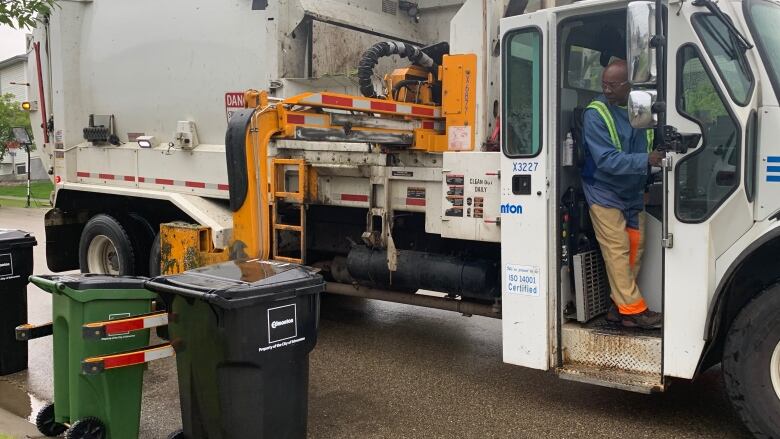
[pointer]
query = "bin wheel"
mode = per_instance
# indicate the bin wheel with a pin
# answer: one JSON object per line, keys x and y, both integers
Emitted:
{"x": 45, "y": 422}
{"x": 178, "y": 434}
{"x": 87, "y": 428}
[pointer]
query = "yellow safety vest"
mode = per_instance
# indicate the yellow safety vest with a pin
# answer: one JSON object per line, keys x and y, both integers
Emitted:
{"x": 610, "y": 122}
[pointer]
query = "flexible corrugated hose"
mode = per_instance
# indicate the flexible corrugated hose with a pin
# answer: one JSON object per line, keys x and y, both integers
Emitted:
{"x": 386, "y": 48}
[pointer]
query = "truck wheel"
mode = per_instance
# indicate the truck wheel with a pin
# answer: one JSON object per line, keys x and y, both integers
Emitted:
{"x": 141, "y": 235}
{"x": 178, "y": 434}
{"x": 751, "y": 364}
{"x": 45, "y": 422}
{"x": 154, "y": 257}
{"x": 105, "y": 247}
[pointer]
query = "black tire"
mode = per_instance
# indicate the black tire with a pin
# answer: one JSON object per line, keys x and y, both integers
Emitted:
{"x": 178, "y": 434}
{"x": 104, "y": 226}
{"x": 45, "y": 422}
{"x": 141, "y": 235}
{"x": 154, "y": 257}
{"x": 87, "y": 428}
{"x": 752, "y": 340}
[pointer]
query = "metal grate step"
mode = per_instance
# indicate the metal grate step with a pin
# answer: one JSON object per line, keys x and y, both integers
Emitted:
{"x": 600, "y": 352}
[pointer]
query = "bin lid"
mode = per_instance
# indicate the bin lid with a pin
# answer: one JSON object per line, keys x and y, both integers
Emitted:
{"x": 242, "y": 279}
{"x": 11, "y": 239}
{"x": 89, "y": 281}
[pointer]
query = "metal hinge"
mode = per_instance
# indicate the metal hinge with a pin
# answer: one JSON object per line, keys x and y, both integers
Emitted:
{"x": 668, "y": 241}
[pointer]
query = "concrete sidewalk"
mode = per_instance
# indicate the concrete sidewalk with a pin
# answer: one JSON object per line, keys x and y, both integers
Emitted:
{"x": 16, "y": 427}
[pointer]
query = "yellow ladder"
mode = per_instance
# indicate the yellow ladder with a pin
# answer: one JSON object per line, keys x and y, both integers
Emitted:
{"x": 283, "y": 197}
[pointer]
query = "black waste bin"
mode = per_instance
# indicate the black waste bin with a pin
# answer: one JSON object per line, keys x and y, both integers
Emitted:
{"x": 242, "y": 331}
{"x": 16, "y": 266}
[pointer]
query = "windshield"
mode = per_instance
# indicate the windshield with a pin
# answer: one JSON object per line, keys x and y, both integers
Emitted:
{"x": 763, "y": 17}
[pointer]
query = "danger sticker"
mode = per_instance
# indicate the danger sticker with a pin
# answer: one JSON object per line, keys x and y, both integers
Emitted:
{"x": 234, "y": 101}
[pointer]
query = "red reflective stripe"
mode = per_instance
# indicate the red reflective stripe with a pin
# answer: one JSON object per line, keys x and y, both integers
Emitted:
{"x": 428, "y": 125}
{"x": 129, "y": 178}
{"x": 223, "y": 187}
{"x": 141, "y": 179}
{"x": 163, "y": 181}
{"x": 82, "y": 174}
{"x": 382, "y": 106}
{"x": 115, "y": 328}
{"x": 353, "y": 197}
{"x": 123, "y": 360}
{"x": 336, "y": 100}
{"x": 296, "y": 118}
{"x": 106, "y": 176}
{"x": 422, "y": 111}
{"x": 415, "y": 201}
{"x": 196, "y": 184}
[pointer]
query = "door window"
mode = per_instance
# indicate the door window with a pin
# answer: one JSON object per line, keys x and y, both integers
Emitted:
{"x": 522, "y": 76}
{"x": 707, "y": 176}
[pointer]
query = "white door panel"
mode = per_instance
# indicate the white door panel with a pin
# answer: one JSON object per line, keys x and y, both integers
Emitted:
{"x": 524, "y": 190}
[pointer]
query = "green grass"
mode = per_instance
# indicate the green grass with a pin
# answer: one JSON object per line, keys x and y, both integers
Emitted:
{"x": 39, "y": 189}
{"x": 5, "y": 202}
{"x": 5, "y": 436}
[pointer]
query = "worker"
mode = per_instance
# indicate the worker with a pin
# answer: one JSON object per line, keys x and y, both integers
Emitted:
{"x": 618, "y": 158}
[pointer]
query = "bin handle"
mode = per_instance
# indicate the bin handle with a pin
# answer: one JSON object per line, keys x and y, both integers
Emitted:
{"x": 29, "y": 331}
{"x": 102, "y": 363}
{"x": 170, "y": 289}
{"x": 105, "y": 328}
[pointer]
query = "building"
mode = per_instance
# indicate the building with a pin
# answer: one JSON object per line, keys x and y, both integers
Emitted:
{"x": 13, "y": 79}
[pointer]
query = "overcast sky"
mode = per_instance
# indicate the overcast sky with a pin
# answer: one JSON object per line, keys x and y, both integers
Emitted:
{"x": 11, "y": 42}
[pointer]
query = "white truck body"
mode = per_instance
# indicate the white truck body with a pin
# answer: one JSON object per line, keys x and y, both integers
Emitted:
{"x": 177, "y": 70}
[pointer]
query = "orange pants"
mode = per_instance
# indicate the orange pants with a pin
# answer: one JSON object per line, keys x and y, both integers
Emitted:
{"x": 622, "y": 249}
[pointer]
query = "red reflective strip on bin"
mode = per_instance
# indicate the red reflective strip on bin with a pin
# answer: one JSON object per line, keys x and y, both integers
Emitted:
{"x": 164, "y": 181}
{"x": 223, "y": 187}
{"x": 127, "y": 326}
{"x": 124, "y": 360}
{"x": 106, "y": 176}
{"x": 415, "y": 201}
{"x": 428, "y": 125}
{"x": 129, "y": 178}
{"x": 82, "y": 174}
{"x": 141, "y": 180}
{"x": 354, "y": 197}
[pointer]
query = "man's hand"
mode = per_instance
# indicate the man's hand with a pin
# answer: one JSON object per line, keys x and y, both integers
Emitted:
{"x": 654, "y": 158}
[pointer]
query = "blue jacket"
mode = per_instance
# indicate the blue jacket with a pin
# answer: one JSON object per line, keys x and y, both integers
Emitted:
{"x": 619, "y": 175}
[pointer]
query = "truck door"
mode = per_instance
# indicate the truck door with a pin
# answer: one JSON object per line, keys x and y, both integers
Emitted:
{"x": 524, "y": 210}
{"x": 710, "y": 91}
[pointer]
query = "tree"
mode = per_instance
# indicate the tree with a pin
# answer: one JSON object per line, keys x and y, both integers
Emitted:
{"x": 11, "y": 115}
{"x": 20, "y": 14}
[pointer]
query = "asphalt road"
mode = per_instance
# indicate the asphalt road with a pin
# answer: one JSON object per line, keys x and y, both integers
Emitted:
{"x": 384, "y": 370}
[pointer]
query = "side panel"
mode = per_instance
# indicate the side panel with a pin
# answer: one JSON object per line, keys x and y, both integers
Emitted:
{"x": 524, "y": 192}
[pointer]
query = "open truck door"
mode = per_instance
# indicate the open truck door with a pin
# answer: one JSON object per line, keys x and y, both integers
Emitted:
{"x": 524, "y": 191}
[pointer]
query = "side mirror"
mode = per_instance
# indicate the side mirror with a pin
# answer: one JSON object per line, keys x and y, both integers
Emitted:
{"x": 640, "y": 109}
{"x": 640, "y": 54}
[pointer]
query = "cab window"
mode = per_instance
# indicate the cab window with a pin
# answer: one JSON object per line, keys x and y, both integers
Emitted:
{"x": 728, "y": 57}
{"x": 522, "y": 76}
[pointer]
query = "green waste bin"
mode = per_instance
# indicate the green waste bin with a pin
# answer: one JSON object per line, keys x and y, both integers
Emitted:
{"x": 109, "y": 401}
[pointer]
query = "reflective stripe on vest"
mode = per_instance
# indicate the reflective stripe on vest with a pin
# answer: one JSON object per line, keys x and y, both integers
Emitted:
{"x": 603, "y": 111}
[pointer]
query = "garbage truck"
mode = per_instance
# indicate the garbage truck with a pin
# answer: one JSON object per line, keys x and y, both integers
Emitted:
{"x": 422, "y": 152}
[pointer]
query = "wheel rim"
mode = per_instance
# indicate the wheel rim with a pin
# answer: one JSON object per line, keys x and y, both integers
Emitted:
{"x": 774, "y": 371}
{"x": 102, "y": 257}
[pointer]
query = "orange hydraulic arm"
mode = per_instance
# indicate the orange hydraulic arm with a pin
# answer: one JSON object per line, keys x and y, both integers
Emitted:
{"x": 324, "y": 116}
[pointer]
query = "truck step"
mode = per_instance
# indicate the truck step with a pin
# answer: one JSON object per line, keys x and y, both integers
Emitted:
{"x": 615, "y": 378}
{"x": 611, "y": 348}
